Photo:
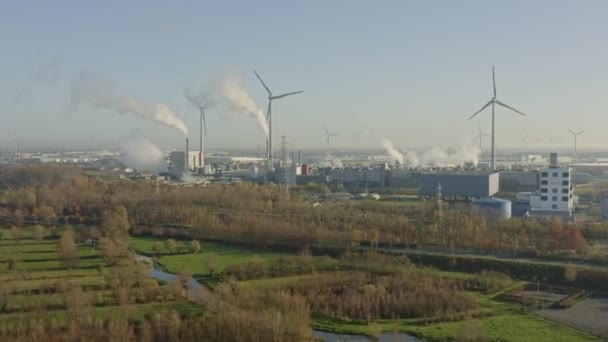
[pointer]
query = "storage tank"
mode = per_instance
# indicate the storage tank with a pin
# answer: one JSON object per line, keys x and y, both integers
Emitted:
{"x": 493, "y": 207}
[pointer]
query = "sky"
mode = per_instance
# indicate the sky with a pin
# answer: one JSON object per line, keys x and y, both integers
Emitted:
{"x": 408, "y": 71}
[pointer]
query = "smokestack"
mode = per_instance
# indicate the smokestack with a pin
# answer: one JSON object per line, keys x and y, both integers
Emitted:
{"x": 553, "y": 160}
{"x": 299, "y": 157}
{"x": 187, "y": 155}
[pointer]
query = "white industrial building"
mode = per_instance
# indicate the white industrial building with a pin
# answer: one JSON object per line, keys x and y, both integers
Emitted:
{"x": 556, "y": 194}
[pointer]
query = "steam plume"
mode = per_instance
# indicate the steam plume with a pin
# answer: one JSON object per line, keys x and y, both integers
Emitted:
{"x": 142, "y": 155}
{"x": 394, "y": 154}
{"x": 233, "y": 97}
{"x": 435, "y": 157}
{"x": 94, "y": 90}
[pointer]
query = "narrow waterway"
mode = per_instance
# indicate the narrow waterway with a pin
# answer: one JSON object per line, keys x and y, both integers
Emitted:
{"x": 158, "y": 273}
{"x": 195, "y": 289}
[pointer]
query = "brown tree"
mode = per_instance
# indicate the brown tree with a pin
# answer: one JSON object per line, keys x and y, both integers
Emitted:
{"x": 67, "y": 248}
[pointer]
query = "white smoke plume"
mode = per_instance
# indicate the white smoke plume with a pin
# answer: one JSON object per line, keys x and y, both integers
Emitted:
{"x": 142, "y": 155}
{"x": 394, "y": 154}
{"x": 435, "y": 157}
{"x": 94, "y": 90}
{"x": 234, "y": 98}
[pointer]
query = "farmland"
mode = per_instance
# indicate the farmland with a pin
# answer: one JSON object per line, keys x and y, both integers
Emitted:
{"x": 36, "y": 282}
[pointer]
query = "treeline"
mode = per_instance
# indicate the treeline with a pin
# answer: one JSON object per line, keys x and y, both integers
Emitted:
{"x": 258, "y": 214}
{"x": 569, "y": 275}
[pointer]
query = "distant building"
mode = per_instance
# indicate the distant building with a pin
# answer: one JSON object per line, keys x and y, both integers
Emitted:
{"x": 177, "y": 163}
{"x": 517, "y": 181}
{"x": 555, "y": 197}
{"x": 459, "y": 185}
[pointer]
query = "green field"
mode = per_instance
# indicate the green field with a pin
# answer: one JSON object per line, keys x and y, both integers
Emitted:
{"x": 212, "y": 254}
{"x": 32, "y": 270}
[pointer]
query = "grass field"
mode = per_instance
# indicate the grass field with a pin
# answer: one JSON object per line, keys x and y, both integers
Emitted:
{"x": 28, "y": 283}
{"x": 217, "y": 255}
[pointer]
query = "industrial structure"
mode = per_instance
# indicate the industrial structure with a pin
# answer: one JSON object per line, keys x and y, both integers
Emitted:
{"x": 555, "y": 196}
{"x": 492, "y": 207}
{"x": 459, "y": 185}
{"x": 203, "y": 132}
{"x": 269, "y": 155}
{"x": 493, "y": 102}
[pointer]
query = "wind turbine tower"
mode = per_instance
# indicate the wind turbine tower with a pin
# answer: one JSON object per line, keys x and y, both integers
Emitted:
{"x": 479, "y": 137}
{"x": 328, "y": 136}
{"x": 271, "y": 98}
{"x": 576, "y": 134}
{"x": 493, "y": 102}
{"x": 203, "y": 129}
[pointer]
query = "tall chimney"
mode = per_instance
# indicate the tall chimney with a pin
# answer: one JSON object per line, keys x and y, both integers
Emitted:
{"x": 187, "y": 155}
{"x": 553, "y": 160}
{"x": 299, "y": 157}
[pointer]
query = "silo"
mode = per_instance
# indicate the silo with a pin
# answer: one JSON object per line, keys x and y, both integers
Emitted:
{"x": 493, "y": 207}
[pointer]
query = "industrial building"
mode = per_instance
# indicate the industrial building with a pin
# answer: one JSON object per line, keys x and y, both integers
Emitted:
{"x": 177, "y": 163}
{"x": 459, "y": 185}
{"x": 519, "y": 181}
{"x": 493, "y": 208}
{"x": 555, "y": 196}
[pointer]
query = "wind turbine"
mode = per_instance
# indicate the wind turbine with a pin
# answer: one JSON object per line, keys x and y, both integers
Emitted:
{"x": 203, "y": 127}
{"x": 478, "y": 137}
{"x": 576, "y": 134}
{"x": 269, "y": 117}
{"x": 493, "y": 102}
{"x": 328, "y": 135}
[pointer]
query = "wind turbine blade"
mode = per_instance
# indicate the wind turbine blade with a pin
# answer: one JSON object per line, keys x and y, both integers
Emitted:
{"x": 264, "y": 84}
{"x": 287, "y": 94}
{"x": 326, "y": 130}
{"x": 581, "y": 132}
{"x": 482, "y": 108}
{"x": 190, "y": 98}
{"x": 494, "y": 81}
{"x": 476, "y": 138}
{"x": 572, "y": 132}
{"x": 511, "y": 108}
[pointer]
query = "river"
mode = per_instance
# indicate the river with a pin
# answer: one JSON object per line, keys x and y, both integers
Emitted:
{"x": 195, "y": 289}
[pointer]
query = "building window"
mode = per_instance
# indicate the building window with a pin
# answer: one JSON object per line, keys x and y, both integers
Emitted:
{"x": 543, "y": 190}
{"x": 554, "y": 198}
{"x": 543, "y": 182}
{"x": 555, "y": 174}
{"x": 566, "y": 174}
{"x": 544, "y": 174}
{"x": 564, "y": 198}
{"x": 565, "y": 183}
{"x": 564, "y": 191}
{"x": 554, "y": 206}
{"x": 554, "y": 190}
{"x": 543, "y": 198}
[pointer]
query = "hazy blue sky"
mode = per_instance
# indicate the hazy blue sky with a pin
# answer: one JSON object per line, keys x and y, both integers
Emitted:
{"x": 408, "y": 71}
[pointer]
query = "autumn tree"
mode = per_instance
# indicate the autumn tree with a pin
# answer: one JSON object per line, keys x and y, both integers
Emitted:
{"x": 39, "y": 232}
{"x": 171, "y": 245}
{"x": 195, "y": 246}
{"x": 67, "y": 248}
